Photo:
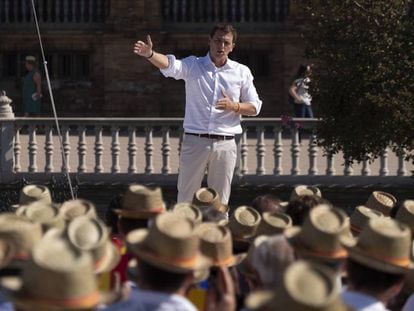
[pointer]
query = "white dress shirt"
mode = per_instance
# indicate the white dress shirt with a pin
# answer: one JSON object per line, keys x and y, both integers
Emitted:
{"x": 204, "y": 83}
{"x": 362, "y": 302}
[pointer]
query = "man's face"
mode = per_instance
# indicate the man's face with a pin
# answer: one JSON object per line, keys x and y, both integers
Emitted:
{"x": 221, "y": 45}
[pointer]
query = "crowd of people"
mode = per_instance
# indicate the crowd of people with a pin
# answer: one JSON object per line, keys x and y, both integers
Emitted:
{"x": 301, "y": 254}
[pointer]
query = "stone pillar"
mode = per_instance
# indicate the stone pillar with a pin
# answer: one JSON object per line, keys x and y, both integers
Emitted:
{"x": 7, "y": 135}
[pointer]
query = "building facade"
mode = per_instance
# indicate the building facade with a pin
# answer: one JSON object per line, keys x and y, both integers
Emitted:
{"x": 88, "y": 46}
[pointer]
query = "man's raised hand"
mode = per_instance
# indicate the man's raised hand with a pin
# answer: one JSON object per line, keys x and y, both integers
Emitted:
{"x": 143, "y": 48}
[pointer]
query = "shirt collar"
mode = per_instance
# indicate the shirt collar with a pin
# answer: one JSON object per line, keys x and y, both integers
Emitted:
{"x": 209, "y": 63}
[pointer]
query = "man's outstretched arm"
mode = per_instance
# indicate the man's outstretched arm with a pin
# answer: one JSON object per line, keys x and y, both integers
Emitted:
{"x": 144, "y": 49}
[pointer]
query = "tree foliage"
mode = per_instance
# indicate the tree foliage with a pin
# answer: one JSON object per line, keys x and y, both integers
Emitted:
{"x": 363, "y": 84}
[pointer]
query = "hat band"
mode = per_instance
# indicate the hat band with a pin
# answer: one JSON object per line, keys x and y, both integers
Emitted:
{"x": 182, "y": 262}
{"x": 87, "y": 301}
{"x": 397, "y": 261}
{"x": 21, "y": 256}
{"x": 355, "y": 228}
{"x": 341, "y": 253}
{"x": 225, "y": 261}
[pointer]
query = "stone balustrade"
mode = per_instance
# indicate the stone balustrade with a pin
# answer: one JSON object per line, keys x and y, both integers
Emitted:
{"x": 147, "y": 150}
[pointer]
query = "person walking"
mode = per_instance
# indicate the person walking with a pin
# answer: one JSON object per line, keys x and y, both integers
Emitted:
{"x": 32, "y": 90}
{"x": 218, "y": 92}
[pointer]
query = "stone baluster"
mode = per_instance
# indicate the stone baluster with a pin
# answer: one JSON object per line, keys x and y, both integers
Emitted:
{"x": 165, "y": 149}
{"x": 260, "y": 151}
{"x": 216, "y": 16}
{"x": 278, "y": 151}
{"x": 366, "y": 169}
{"x": 149, "y": 150}
{"x": 90, "y": 18}
{"x": 243, "y": 153}
{"x": 82, "y": 11}
{"x": 348, "y": 170}
{"x": 17, "y": 149}
{"x": 313, "y": 152}
{"x": 384, "y": 171}
{"x": 82, "y": 149}
{"x": 32, "y": 147}
{"x": 49, "y": 149}
{"x": 402, "y": 169}
{"x": 99, "y": 150}
{"x": 224, "y": 9}
{"x": 6, "y": 140}
{"x": 251, "y": 10}
{"x": 260, "y": 12}
{"x": 193, "y": 11}
{"x": 233, "y": 8}
{"x": 115, "y": 150}
{"x": 132, "y": 150}
{"x": 210, "y": 10}
{"x": 66, "y": 149}
{"x": 242, "y": 11}
{"x": 175, "y": 11}
{"x": 23, "y": 10}
{"x": 330, "y": 164}
{"x": 295, "y": 151}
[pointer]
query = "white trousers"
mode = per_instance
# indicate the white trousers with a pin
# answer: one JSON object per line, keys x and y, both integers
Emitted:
{"x": 199, "y": 153}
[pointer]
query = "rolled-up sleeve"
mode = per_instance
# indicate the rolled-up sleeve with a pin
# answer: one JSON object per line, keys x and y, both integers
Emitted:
{"x": 249, "y": 92}
{"x": 177, "y": 69}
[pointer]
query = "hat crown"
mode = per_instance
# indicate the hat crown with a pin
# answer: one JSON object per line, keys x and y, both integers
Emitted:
{"x": 273, "y": 223}
{"x": 78, "y": 207}
{"x": 188, "y": 210}
{"x": 87, "y": 233}
{"x": 361, "y": 215}
{"x": 302, "y": 190}
{"x": 244, "y": 221}
{"x": 381, "y": 201}
{"x": 405, "y": 213}
{"x": 32, "y": 193}
{"x": 208, "y": 197}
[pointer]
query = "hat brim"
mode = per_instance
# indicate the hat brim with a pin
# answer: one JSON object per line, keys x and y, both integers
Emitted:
{"x": 110, "y": 259}
{"x": 133, "y": 214}
{"x": 259, "y": 299}
{"x": 234, "y": 260}
{"x": 292, "y": 234}
{"x": 362, "y": 257}
{"x": 12, "y": 288}
{"x": 142, "y": 252}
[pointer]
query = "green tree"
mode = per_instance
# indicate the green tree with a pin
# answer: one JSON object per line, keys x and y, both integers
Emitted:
{"x": 363, "y": 84}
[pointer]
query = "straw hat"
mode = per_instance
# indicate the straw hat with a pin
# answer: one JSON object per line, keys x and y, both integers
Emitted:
{"x": 244, "y": 222}
{"x": 302, "y": 190}
{"x": 169, "y": 244}
{"x": 91, "y": 235}
{"x": 405, "y": 214}
{"x": 306, "y": 286}
{"x": 47, "y": 215}
{"x": 78, "y": 207}
{"x": 384, "y": 245}
{"x": 22, "y": 233}
{"x": 321, "y": 234}
{"x": 273, "y": 223}
{"x": 140, "y": 202}
{"x": 32, "y": 193}
{"x": 382, "y": 202}
{"x": 216, "y": 243}
{"x": 30, "y": 58}
{"x": 57, "y": 276}
{"x": 188, "y": 210}
{"x": 360, "y": 217}
{"x": 205, "y": 197}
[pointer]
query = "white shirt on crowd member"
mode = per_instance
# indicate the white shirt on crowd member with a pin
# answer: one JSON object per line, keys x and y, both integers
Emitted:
{"x": 205, "y": 84}
{"x": 362, "y": 302}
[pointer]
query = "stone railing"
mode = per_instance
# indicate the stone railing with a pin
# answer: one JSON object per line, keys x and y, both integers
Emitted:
{"x": 259, "y": 14}
{"x": 65, "y": 13}
{"x": 147, "y": 150}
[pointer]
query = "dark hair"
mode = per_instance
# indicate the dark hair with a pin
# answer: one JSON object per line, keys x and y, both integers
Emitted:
{"x": 361, "y": 277}
{"x": 111, "y": 218}
{"x": 301, "y": 73}
{"x": 266, "y": 203}
{"x": 126, "y": 225}
{"x": 226, "y": 28}
{"x": 299, "y": 208}
{"x": 158, "y": 279}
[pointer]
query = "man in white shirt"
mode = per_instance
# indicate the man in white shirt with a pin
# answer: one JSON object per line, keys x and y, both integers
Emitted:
{"x": 218, "y": 92}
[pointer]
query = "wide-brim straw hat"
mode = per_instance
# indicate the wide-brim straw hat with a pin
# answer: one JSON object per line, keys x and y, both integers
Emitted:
{"x": 22, "y": 233}
{"x": 35, "y": 193}
{"x": 243, "y": 223}
{"x": 216, "y": 243}
{"x": 208, "y": 197}
{"x": 91, "y": 235}
{"x": 405, "y": 214}
{"x": 360, "y": 217}
{"x": 302, "y": 190}
{"x": 140, "y": 202}
{"x": 77, "y": 207}
{"x": 189, "y": 211}
{"x": 273, "y": 223}
{"x": 381, "y": 201}
{"x": 56, "y": 276}
{"x": 47, "y": 215}
{"x": 385, "y": 245}
{"x": 305, "y": 286}
{"x": 170, "y": 244}
{"x": 322, "y": 234}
